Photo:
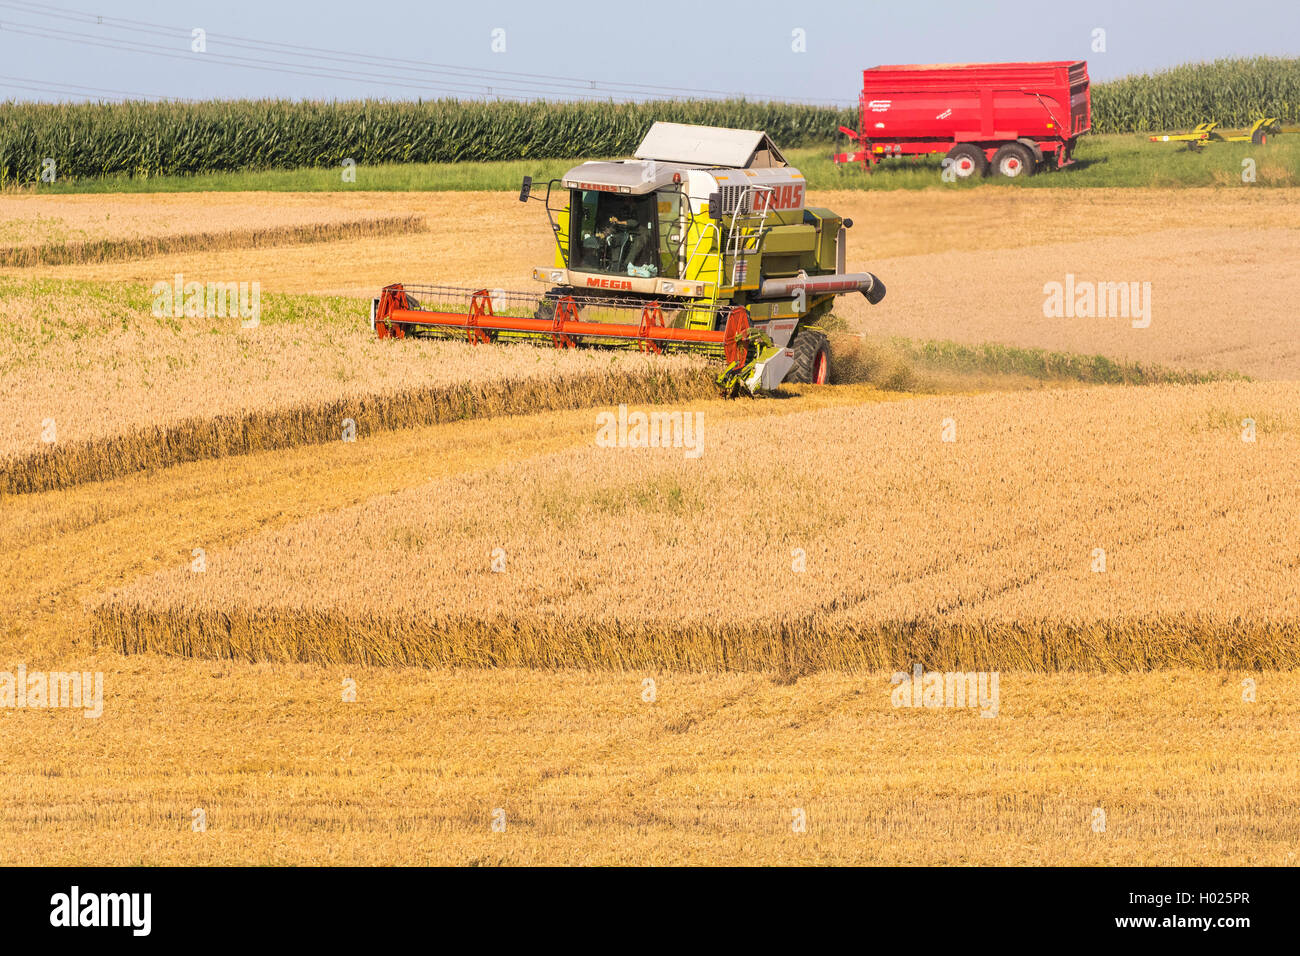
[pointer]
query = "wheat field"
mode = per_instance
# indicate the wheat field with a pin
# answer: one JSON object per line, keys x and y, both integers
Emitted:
{"x": 27, "y": 219}
{"x": 975, "y": 553}
{"x": 582, "y": 770}
{"x": 585, "y": 769}
{"x": 64, "y": 230}
{"x": 1180, "y": 727}
{"x": 1218, "y": 261}
{"x": 91, "y": 391}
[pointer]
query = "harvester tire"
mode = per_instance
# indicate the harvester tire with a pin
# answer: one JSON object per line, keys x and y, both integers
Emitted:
{"x": 1259, "y": 137}
{"x": 812, "y": 359}
{"x": 1015, "y": 160}
{"x": 968, "y": 161}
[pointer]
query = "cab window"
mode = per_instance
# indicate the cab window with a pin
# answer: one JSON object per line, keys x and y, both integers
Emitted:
{"x": 616, "y": 233}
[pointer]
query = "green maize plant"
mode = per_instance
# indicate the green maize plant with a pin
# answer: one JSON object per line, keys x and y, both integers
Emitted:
{"x": 1233, "y": 93}
{"x": 154, "y": 139}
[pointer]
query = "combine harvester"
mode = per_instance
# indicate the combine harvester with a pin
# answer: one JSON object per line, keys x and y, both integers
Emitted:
{"x": 702, "y": 243}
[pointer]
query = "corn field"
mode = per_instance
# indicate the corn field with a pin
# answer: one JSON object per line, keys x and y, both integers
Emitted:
{"x": 155, "y": 139}
{"x": 1233, "y": 92}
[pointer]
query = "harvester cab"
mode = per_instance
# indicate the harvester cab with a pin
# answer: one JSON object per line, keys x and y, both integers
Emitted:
{"x": 702, "y": 242}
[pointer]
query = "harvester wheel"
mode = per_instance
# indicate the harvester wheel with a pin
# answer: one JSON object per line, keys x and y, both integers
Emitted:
{"x": 1014, "y": 160}
{"x": 968, "y": 161}
{"x": 1259, "y": 137}
{"x": 812, "y": 359}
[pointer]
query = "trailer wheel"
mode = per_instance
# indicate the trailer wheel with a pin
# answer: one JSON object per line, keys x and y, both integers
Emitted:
{"x": 1014, "y": 160}
{"x": 812, "y": 359}
{"x": 967, "y": 161}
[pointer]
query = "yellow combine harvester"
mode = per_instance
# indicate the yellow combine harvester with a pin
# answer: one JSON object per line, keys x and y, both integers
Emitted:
{"x": 702, "y": 243}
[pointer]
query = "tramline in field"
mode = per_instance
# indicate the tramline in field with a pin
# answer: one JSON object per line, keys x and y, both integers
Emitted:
{"x": 702, "y": 243}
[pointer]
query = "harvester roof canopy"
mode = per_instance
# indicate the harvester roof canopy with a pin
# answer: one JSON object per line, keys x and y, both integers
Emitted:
{"x": 622, "y": 176}
{"x": 699, "y": 146}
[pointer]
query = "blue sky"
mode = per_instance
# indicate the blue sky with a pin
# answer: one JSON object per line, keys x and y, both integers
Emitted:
{"x": 582, "y": 49}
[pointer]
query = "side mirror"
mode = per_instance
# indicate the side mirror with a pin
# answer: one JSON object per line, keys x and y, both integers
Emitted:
{"x": 526, "y": 189}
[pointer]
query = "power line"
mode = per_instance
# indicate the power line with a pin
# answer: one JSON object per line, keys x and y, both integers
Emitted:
{"x": 67, "y": 89}
{"x": 162, "y": 30}
{"x": 132, "y": 46}
{"x": 314, "y": 53}
{"x": 486, "y": 80}
{"x": 45, "y": 89}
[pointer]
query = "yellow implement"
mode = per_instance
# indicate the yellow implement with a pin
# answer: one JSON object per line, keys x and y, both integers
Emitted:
{"x": 1208, "y": 133}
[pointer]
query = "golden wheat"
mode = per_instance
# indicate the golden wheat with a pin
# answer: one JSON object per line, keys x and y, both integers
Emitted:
{"x": 589, "y": 772}
{"x": 116, "y": 249}
{"x": 290, "y": 391}
{"x": 35, "y": 220}
{"x": 586, "y": 768}
{"x": 1202, "y": 300}
{"x": 83, "y": 400}
{"x": 846, "y": 538}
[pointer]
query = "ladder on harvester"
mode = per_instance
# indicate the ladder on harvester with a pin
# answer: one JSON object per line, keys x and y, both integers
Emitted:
{"x": 745, "y": 237}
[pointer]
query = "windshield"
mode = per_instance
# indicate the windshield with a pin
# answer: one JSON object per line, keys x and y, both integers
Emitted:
{"x": 615, "y": 234}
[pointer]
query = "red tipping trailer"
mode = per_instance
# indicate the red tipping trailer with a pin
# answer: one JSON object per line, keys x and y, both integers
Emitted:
{"x": 1008, "y": 117}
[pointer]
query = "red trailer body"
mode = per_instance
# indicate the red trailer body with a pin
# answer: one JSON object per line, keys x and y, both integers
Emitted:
{"x": 1013, "y": 117}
